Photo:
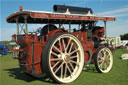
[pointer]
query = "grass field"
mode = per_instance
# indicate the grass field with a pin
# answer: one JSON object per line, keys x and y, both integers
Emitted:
{"x": 10, "y": 74}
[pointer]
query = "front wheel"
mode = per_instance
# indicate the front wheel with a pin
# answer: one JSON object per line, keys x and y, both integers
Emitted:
{"x": 103, "y": 60}
{"x": 63, "y": 58}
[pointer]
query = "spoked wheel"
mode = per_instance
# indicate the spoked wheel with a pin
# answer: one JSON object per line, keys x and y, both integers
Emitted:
{"x": 103, "y": 60}
{"x": 63, "y": 58}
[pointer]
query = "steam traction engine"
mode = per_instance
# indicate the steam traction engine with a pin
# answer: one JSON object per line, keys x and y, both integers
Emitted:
{"x": 56, "y": 52}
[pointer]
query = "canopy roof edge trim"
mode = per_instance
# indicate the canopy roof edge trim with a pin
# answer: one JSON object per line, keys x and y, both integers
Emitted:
{"x": 37, "y": 17}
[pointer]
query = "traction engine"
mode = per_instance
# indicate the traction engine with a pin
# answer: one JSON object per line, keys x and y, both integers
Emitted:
{"x": 59, "y": 53}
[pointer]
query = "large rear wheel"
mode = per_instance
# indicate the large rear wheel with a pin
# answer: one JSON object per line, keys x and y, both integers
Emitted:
{"x": 63, "y": 58}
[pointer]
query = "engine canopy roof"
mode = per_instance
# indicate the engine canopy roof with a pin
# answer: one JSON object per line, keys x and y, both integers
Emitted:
{"x": 43, "y": 17}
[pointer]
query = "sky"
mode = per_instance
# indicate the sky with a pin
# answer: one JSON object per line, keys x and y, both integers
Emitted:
{"x": 116, "y": 8}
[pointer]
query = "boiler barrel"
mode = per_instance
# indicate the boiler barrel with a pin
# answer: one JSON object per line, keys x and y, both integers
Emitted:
{"x": 72, "y": 9}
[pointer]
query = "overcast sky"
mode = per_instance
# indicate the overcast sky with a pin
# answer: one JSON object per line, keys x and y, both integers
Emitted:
{"x": 117, "y": 8}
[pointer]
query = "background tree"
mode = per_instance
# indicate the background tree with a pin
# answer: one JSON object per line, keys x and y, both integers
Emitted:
{"x": 124, "y": 36}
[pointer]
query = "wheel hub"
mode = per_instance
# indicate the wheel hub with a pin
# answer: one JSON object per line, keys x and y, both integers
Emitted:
{"x": 65, "y": 58}
{"x": 105, "y": 60}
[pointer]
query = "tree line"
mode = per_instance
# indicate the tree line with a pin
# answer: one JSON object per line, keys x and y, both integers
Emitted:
{"x": 124, "y": 36}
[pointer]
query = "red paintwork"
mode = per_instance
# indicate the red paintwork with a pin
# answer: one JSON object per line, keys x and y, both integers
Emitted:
{"x": 96, "y": 33}
{"x": 25, "y": 41}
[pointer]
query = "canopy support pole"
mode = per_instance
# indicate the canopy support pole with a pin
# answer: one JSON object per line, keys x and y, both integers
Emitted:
{"x": 26, "y": 27}
{"x": 59, "y": 25}
{"x": 105, "y": 31}
{"x": 69, "y": 26}
{"x": 79, "y": 27}
{"x": 17, "y": 23}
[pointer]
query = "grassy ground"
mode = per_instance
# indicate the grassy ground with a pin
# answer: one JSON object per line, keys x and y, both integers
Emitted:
{"x": 10, "y": 74}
